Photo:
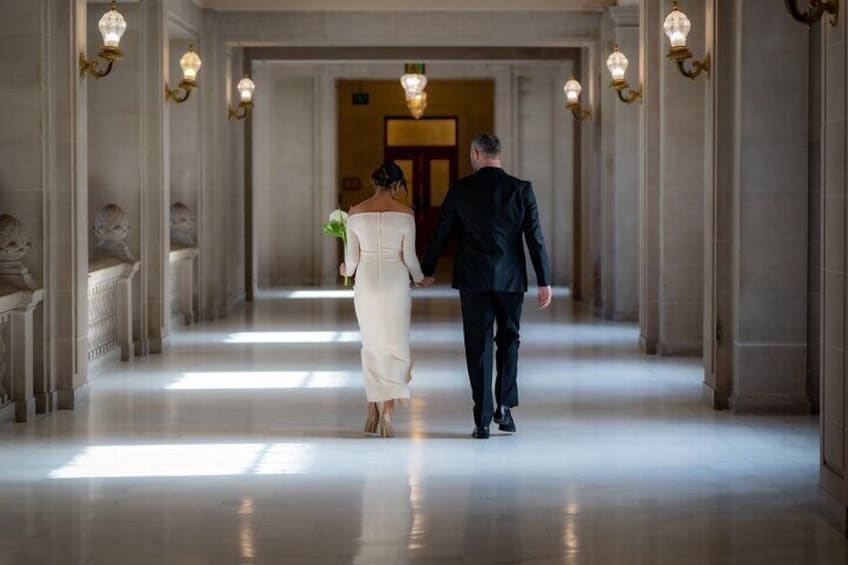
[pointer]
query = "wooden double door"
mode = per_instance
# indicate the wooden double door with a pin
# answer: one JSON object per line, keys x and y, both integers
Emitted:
{"x": 429, "y": 171}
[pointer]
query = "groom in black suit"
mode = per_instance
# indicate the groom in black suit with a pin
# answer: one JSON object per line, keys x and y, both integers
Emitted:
{"x": 493, "y": 215}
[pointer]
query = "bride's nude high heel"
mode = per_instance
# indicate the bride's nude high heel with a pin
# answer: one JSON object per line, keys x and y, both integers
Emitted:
{"x": 373, "y": 420}
{"x": 386, "y": 429}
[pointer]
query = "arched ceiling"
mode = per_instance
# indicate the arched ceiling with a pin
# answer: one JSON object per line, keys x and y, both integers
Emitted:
{"x": 411, "y": 5}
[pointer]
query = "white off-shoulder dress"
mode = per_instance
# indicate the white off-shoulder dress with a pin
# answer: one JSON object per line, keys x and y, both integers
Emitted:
{"x": 380, "y": 253}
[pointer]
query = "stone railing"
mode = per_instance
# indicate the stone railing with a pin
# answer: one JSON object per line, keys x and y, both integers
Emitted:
{"x": 19, "y": 296}
{"x": 183, "y": 256}
{"x": 110, "y": 274}
{"x": 110, "y": 309}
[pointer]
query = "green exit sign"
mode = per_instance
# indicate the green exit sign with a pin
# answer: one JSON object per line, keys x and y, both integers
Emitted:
{"x": 360, "y": 98}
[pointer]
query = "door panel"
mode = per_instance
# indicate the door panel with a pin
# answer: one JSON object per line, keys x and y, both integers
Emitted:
{"x": 408, "y": 168}
{"x": 440, "y": 181}
{"x": 429, "y": 172}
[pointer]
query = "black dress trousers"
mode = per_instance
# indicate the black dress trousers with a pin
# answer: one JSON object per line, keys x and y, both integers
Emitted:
{"x": 480, "y": 312}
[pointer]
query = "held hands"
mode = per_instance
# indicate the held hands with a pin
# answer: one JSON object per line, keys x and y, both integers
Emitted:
{"x": 545, "y": 297}
{"x": 427, "y": 282}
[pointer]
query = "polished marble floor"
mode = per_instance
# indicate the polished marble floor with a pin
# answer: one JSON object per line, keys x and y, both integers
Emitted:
{"x": 240, "y": 445}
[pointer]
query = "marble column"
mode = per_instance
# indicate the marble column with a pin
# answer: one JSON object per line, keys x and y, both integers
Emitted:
{"x": 620, "y": 179}
{"x": 834, "y": 295}
{"x": 672, "y": 196}
{"x": 214, "y": 218}
{"x": 43, "y": 180}
{"x": 760, "y": 232}
{"x": 814, "y": 221}
{"x": 155, "y": 172}
{"x": 650, "y": 65}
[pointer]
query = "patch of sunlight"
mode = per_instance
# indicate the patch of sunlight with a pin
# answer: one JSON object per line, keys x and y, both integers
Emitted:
{"x": 317, "y": 294}
{"x": 187, "y": 460}
{"x": 255, "y": 380}
{"x": 293, "y": 337}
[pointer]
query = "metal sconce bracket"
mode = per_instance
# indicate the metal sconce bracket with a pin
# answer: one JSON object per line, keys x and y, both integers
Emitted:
{"x": 242, "y": 112}
{"x": 110, "y": 55}
{"x": 579, "y": 112}
{"x": 815, "y": 12}
{"x": 631, "y": 96}
{"x": 680, "y": 56}
{"x": 174, "y": 94}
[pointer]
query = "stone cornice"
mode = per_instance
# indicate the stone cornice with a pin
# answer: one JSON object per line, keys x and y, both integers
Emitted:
{"x": 624, "y": 16}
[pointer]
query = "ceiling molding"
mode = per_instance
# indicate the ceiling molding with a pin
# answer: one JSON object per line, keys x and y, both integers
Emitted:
{"x": 412, "y": 53}
{"x": 408, "y": 5}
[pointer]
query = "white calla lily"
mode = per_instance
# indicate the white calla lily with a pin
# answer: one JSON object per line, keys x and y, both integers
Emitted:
{"x": 338, "y": 216}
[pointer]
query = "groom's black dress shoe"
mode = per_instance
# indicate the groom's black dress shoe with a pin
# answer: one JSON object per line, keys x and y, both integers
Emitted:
{"x": 504, "y": 419}
{"x": 480, "y": 432}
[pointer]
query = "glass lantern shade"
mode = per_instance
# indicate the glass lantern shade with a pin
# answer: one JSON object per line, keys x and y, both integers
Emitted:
{"x": 572, "y": 90}
{"x": 416, "y": 104}
{"x": 413, "y": 83}
{"x": 112, "y": 27}
{"x": 246, "y": 87}
{"x": 190, "y": 64}
{"x": 676, "y": 27}
{"x": 617, "y": 65}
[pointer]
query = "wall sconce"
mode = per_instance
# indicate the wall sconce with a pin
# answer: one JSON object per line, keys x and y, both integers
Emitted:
{"x": 815, "y": 11}
{"x": 112, "y": 26}
{"x": 617, "y": 64}
{"x": 190, "y": 64}
{"x": 245, "y": 88}
{"x": 572, "y": 90}
{"x": 676, "y": 27}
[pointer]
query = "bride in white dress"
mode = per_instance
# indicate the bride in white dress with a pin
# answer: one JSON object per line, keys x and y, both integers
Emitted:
{"x": 380, "y": 253}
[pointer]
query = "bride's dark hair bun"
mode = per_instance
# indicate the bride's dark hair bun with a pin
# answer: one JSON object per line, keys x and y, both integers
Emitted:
{"x": 387, "y": 175}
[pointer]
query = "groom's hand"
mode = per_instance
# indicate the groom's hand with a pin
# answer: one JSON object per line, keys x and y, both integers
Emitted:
{"x": 545, "y": 297}
{"x": 428, "y": 282}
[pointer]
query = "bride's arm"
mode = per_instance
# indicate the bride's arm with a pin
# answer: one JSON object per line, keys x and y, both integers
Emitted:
{"x": 410, "y": 259}
{"x": 351, "y": 251}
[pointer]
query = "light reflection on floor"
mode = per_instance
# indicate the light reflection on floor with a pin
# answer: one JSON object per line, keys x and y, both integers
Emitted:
{"x": 242, "y": 444}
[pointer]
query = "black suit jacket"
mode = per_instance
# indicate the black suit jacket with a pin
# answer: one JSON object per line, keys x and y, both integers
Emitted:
{"x": 493, "y": 215}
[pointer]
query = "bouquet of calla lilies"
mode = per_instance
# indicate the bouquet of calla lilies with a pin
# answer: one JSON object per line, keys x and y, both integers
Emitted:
{"x": 336, "y": 226}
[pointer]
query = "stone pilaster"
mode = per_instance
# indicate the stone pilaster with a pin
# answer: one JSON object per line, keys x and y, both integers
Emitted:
{"x": 155, "y": 172}
{"x": 64, "y": 209}
{"x": 650, "y": 64}
{"x": 834, "y": 295}
{"x": 213, "y": 220}
{"x": 761, "y": 209}
{"x": 620, "y": 177}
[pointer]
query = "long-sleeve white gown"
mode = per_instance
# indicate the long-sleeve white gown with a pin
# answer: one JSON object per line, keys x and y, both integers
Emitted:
{"x": 381, "y": 254}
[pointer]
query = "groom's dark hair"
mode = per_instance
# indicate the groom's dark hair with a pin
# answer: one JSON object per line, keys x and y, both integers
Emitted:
{"x": 488, "y": 144}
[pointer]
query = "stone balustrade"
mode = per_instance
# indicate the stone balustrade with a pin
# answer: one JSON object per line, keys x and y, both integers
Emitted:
{"x": 19, "y": 296}
{"x": 110, "y": 277}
